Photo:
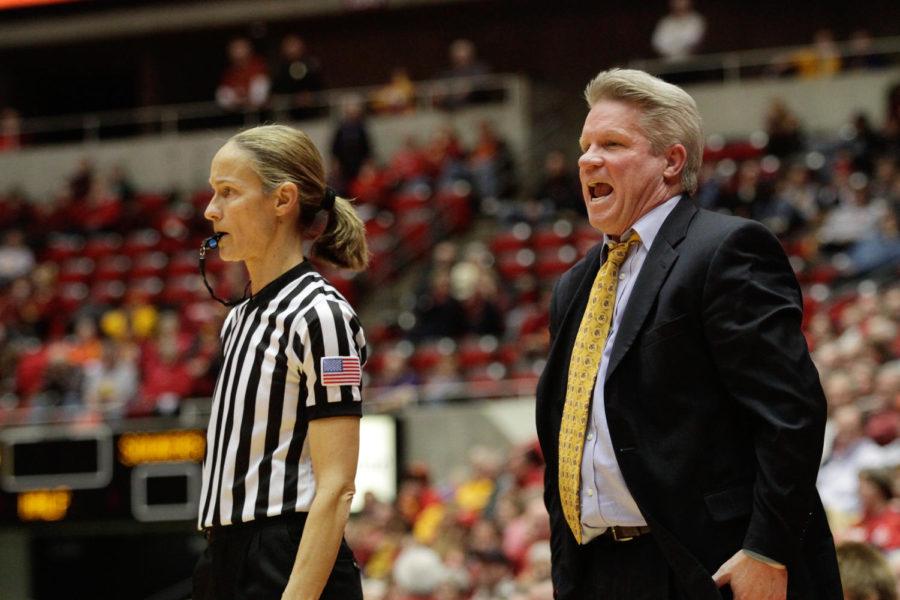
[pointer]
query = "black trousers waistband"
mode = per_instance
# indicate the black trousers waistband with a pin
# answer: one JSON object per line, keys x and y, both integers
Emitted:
{"x": 297, "y": 519}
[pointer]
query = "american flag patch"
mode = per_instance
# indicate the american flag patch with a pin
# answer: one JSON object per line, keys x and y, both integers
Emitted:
{"x": 340, "y": 370}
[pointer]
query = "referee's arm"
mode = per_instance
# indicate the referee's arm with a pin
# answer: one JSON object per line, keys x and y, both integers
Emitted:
{"x": 334, "y": 448}
{"x": 333, "y": 409}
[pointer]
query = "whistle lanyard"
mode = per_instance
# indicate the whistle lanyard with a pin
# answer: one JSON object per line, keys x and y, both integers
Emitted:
{"x": 211, "y": 243}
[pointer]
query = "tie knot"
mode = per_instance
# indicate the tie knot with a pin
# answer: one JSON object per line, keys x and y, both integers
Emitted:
{"x": 619, "y": 250}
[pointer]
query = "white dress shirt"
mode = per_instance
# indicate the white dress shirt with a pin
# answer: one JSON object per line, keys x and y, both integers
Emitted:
{"x": 605, "y": 499}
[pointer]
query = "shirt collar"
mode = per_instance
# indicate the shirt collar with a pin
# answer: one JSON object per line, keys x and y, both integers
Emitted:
{"x": 649, "y": 224}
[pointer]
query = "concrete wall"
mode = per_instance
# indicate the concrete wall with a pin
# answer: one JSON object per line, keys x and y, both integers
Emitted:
{"x": 442, "y": 436}
{"x": 822, "y": 104}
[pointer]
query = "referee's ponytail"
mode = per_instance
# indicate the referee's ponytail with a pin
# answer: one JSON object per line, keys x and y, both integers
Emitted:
{"x": 283, "y": 154}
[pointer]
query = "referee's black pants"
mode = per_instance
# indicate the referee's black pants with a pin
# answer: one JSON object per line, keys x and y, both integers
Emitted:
{"x": 253, "y": 561}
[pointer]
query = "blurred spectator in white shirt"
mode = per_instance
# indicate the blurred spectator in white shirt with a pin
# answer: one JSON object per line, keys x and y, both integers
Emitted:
{"x": 852, "y": 452}
{"x": 111, "y": 382}
{"x": 678, "y": 34}
{"x": 16, "y": 259}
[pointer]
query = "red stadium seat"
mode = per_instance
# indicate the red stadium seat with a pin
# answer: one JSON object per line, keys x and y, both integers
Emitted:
{"x": 114, "y": 267}
{"x": 101, "y": 245}
{"x": 76, "y": 270}
{"x": 141, "y": 241}
{"x": 151, "y": 264}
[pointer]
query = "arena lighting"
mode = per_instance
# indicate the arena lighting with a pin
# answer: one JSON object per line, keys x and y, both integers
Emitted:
{"x": 44, "y": 505}
{"x": 138, "y": 448}
{"x": 52, "y": 456}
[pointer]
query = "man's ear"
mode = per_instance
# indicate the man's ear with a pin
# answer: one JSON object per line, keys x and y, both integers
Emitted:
{"x": 287, "y": 197}
{"x": 676, "y": 159}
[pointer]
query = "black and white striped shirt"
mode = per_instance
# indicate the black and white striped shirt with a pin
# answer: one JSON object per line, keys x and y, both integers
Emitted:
{"x": 270, "y": 387}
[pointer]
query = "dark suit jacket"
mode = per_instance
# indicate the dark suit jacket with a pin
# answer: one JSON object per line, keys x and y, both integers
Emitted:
{"x": 714, "y": 407}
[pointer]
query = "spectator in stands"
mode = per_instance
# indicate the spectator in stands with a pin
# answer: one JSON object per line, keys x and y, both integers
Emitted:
{"x": 85, "y": 346}
{"x": 865, "y": 574}
{"x": 438, "y": 313}
{"x": 397, "y": 96}
{"x": 493, "y": 575}
{"x": 559, "y": 186}
{"x": 111, "y": 383}
{"x": 883, "y": 422}
{"x": 820, "y": 59}
{"x": 61, "y": 383}
{"x": 298, "y": 75}
{"x": 10, "y": 129}
{"x": 82, "y": 180}
{"x": 680, "y": 33}
{"x": 370, "y": 186}
{"x": 851, "y": 453}
{"x": 418, "y": 571}
{"x": 856, "y": 217}
{"x": 491, "y": 165}
{"x": 350, "y": 144}
{"x": 16, "y": 258}
{"x": 444, "y": 381}
{"x": 166, "y": 381}
{"x": 245, "y": 82}
{"x": 880, "y": 522}
{"x": 461, "y": 79}
{"x": 784, "y": 130}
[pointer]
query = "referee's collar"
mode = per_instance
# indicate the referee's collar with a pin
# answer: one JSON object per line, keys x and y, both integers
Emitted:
{"x": 273, "y": 287}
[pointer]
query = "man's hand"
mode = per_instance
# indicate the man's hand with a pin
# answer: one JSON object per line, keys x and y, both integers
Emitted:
{"x": 752, "y": 579}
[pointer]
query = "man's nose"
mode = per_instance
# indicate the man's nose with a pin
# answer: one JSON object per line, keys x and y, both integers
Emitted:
{"x": 589, "y": 159}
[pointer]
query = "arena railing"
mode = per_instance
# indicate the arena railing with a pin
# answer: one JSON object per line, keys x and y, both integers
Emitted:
{"x": 733, "y": 67}
{"x": 168, "y": 119}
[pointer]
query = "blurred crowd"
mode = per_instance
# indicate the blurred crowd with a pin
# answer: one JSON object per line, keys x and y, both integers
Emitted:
{"x": 483, "y": 534}
{"x": 103, "y": 313}
{"x": 295, "y": 78}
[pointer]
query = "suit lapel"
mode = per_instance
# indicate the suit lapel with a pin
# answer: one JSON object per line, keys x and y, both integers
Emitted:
{"x": 653, "y": 273}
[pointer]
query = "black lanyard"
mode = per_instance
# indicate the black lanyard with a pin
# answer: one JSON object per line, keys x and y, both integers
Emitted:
{"x": 211, "y": 243}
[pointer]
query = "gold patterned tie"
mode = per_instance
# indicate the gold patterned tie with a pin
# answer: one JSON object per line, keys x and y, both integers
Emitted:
{"x": 583, "y": 367}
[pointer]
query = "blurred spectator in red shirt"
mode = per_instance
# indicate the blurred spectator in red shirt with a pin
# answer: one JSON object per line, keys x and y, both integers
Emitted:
{"x": 880, "y": 523}
{"x": 370, "y": 185}
{"x": 10, "y": 130}
{"x": 245, "y": 82}
{"x": 408, "y": 164}
{"x": 166, "y": 381}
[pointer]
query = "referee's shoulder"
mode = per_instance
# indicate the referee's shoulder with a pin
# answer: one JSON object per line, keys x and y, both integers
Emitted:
{"x": 324, "y": 293}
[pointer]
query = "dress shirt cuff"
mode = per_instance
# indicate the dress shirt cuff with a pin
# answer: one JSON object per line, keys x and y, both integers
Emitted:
{"x": 763, "y": 559}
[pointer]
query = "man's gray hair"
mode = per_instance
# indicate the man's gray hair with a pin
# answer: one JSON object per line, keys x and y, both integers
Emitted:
{"x": 669, "y": 114}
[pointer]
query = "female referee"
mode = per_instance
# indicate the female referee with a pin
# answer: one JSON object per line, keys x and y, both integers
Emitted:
{"x": 283, "y": 435}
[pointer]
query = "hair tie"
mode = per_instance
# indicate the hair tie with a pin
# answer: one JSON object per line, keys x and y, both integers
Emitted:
{"x": 328, "y": 199}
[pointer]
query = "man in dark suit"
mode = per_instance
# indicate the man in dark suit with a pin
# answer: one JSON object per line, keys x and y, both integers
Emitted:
{"x": 679, "y": 411}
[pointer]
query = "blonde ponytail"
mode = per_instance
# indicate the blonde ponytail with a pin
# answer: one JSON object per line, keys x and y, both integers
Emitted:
{"x": 343, "y": 242}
